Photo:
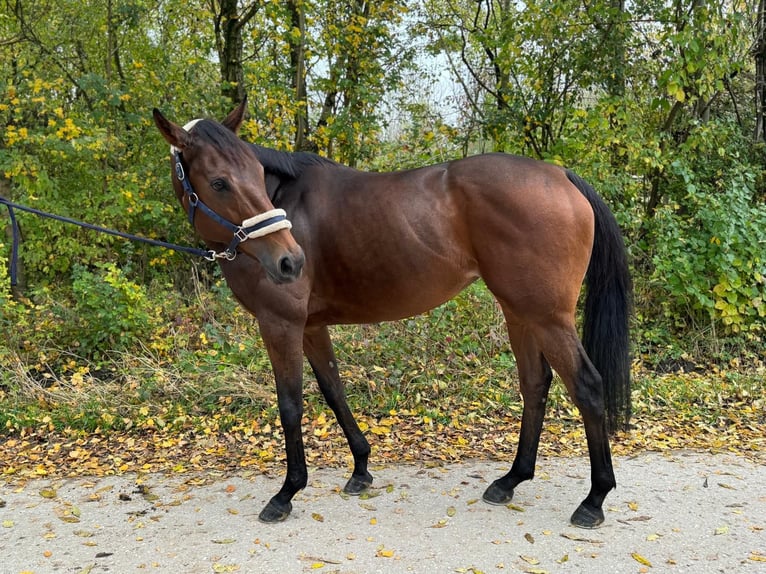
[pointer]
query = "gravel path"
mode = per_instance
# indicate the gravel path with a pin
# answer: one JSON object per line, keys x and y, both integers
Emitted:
{"x": 678, "y": 511}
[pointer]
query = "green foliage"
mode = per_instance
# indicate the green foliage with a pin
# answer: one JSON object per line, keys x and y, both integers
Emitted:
{"x": 652, "y": 105}
{"x": 110, "y": 311}
{"x": 712, "y": 261}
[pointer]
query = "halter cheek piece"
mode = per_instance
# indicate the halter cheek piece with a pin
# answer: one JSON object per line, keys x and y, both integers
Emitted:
{"x": 252, "y": 227}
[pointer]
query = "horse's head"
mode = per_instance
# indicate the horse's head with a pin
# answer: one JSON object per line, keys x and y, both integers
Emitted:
{"x": 220, "y": 183}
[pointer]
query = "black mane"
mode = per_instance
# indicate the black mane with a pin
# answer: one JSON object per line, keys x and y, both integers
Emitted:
{"x": 275, "y": 162}
{"x": 217, "y": 135}
{"x": 285, "y": 163}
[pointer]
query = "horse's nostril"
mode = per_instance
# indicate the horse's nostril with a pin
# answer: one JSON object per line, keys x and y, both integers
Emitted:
{"x": 286, "y": 266}
{"x": 290, "y": 266}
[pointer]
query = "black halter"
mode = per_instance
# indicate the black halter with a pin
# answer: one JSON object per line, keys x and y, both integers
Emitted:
{"x": 257, "y": 226}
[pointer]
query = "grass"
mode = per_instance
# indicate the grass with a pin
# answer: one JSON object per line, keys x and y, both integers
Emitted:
{"x": 454, "y": 362}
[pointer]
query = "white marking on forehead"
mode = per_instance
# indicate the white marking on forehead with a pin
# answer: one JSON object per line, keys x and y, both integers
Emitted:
{"x": 187, "y": 127}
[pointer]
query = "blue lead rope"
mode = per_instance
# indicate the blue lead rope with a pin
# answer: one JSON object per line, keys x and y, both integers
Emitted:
{"x": 207, "y": 254}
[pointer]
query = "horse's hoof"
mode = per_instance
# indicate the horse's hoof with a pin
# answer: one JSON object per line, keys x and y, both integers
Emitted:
{"x": 272, "y": 513}
{"x": 357, "y": 485}
{"x": 585, "y": 517}
{"x": 497, "y": 495}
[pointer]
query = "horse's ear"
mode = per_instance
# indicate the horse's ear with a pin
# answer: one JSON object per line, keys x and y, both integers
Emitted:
{"x": 175, "y": 135}
{"x": 234, "y": 120}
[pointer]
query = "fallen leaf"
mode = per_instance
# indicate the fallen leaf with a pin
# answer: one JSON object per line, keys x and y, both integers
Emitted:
{"x": 529, "y": 538}
{"x": 653, "y": 537}
{"x": 580, "y": 538}
{"x": 640, "y": 559}
{"x": 224, "y": 541}
{"x": 7, "y": 523}
{"x": 47, "y": 553}
{"x": 221, "y": 568}
{"x": 515, "y": 507}
{"x": 721, "y": 530}
{"x": 48, "y": 493}
{"x": 384, "y": 553}
{"x": 318, "y": 517}
{"x": 529, "y": 560}
{"x": 451, "y": 511}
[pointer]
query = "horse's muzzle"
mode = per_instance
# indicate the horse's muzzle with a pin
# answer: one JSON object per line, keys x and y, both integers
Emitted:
{"x": 288, "y": 267}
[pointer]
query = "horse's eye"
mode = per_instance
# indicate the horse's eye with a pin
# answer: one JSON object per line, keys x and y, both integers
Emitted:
{"x": 219, "y": 184}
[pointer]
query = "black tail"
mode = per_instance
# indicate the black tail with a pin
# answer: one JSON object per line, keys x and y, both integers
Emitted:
{"x": 606, "y": 336}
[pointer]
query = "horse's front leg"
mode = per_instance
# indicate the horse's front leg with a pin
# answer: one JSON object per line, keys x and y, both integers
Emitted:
{"x": 283, "y": 343}
{"x": 318, "y": 349}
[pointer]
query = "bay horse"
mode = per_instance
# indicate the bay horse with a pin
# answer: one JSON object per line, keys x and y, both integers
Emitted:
{"x": 368, "y": 247}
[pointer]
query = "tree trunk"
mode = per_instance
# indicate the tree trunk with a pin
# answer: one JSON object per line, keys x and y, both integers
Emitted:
{"x": 760, "y": 74}
{"x": 298, "y": 65}
{"x": 228, "y": 37}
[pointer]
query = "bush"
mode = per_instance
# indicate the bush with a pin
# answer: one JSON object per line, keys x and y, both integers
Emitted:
{"x": 110, "y": 311}
{"x": 709, "y": 256}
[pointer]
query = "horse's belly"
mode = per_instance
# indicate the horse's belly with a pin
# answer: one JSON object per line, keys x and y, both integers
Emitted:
{"x": 373, "y": 299}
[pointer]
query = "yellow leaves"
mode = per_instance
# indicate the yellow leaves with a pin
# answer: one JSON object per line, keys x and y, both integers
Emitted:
{"x": 676, "y": 91}
{"x": 219, "y": 568}
{"x": 68, "y": 131}
{"x": 383, "y": 552}
{"x": 14, "y": 135}
{"x": 640, "y": 559}
{"x": 68, "y": 513}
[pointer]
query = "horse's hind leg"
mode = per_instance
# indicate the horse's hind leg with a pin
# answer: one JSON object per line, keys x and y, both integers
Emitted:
{"x": 561, "y": 346}
{"x": 535, "y": 379}
{"x": 318, "y": 349}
